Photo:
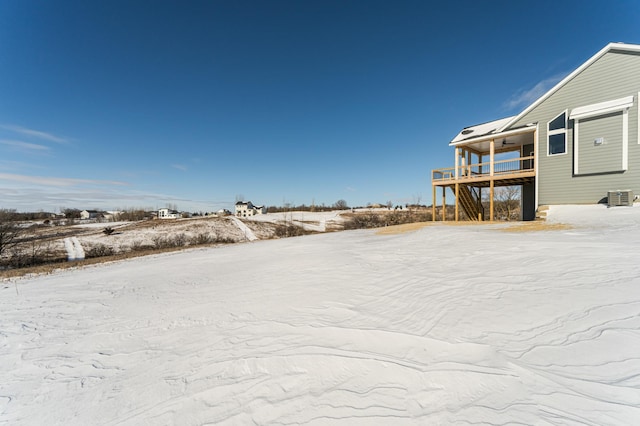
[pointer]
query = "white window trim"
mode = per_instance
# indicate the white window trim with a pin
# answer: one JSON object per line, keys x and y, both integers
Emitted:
{"x": 603, "y": 108}
{"x": 625, "y": 139}
{"x": 558, "y": 132}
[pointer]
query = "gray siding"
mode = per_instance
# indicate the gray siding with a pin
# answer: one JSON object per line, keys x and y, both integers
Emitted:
{"x": 594, "y": 158}
{"x": 613, "y": 76}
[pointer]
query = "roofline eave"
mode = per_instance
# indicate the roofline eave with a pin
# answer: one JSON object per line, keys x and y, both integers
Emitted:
{"x": 484, "y": 138}
{"x": 601, "y": 52}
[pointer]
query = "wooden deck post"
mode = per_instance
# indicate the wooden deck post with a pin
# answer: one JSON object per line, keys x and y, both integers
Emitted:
{"x": 444, "y": 203}
{"x": 491, "y": 200}
{"x": 457, "y": 194}
{"x": 492, "y": 151}
{"x": 433, "y": 203}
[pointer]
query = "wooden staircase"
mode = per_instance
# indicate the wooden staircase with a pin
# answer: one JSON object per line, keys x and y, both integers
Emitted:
{"x": 468, "y": 198}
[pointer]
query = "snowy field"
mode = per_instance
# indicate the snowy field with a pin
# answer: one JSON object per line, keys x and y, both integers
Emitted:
{"x": 444, "y": 325}
{"x": 310, "y": 221}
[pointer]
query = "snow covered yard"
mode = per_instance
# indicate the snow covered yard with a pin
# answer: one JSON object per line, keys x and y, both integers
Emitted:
{"x": 447, "y": 324}
{"x": 310, "y": 221}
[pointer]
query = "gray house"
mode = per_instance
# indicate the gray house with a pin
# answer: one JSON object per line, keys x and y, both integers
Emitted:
{"x": 577, "y": 144}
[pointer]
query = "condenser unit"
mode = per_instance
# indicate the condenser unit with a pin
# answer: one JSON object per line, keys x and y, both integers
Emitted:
{"x": 620, "y": 198}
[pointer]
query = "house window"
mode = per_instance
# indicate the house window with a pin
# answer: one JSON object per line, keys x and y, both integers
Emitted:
{"x": 557, "y": 135}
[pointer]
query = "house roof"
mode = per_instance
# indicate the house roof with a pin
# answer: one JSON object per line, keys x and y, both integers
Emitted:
{"x": 608, "y": 48}
{"x": 503, "y": 127}
{"x": 479, "y": 130}
{"x": 509, "y": 139}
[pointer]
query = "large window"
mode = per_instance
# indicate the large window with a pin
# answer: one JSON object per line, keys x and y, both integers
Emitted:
{"x": 557, "y": 135}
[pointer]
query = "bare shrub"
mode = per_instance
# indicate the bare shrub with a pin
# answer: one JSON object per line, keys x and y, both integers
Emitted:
{"x": 201, "y": 239}
{"x": 160, "y": 242}
{"x": 225, "y": 240}
{"x": 364, "y": 221}
{"x": 29, "y": 253}
{"x": 381, "y": 219}
{"x": 288, "y": 229}
{"x": 99, "y": 250}
{"x": 163, "y": 242}
{"x": 179, "y": 240}
{"x": 10, "y": 232}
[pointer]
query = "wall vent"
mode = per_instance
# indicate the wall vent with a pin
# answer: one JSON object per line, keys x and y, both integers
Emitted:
{"x": 620, "y": 198}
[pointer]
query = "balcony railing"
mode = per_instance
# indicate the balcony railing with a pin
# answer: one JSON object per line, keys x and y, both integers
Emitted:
{"x": 513, "y": 166}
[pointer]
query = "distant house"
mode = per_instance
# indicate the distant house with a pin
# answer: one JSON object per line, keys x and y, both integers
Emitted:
{"x": 90, "y": 214}
{"x": 579, "y": 143}
{"x": 169, "y": 214}
{"x": 246, "y": 209}
{"x": 111, "y": 214}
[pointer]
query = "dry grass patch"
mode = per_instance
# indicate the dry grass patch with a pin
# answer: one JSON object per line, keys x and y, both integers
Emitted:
{"x": 465, "y": 223}
{"x": 401, "y": 229}
{"x": 518, "y": 227}
{"x": 537, "y": 226}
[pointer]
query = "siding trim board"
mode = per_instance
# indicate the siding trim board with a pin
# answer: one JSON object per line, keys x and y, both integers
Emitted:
{"x": 625, "y": 139}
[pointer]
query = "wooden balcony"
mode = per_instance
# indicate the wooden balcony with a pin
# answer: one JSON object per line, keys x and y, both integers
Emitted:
{"x": 514, "y": 171}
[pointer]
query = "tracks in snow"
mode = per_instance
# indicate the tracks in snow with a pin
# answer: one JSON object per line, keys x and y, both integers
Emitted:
{"x": 74, "y": 249}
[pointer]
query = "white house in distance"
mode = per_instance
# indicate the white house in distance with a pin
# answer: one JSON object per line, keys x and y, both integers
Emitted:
{"x": 90, "y": 214}
{"x": 166, "y": 213}
{"x": 246, "y": 209}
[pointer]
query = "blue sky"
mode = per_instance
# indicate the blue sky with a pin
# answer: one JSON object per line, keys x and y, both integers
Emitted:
{"x": 123, "y": 104}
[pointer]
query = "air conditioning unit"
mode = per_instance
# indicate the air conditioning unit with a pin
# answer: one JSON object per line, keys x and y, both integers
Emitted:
{"x": 620, "y": 198}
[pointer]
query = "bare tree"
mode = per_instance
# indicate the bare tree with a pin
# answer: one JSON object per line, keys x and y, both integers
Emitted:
{"x": 9, "y": 232}
{"x": 341, "y": 205}
{"x": 71, "y": 213}
{"x": 508, "y": 202}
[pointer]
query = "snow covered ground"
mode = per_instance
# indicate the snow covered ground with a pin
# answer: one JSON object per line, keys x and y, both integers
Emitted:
{"x": 310, "y": 221}
{"x": 447, "y": 324}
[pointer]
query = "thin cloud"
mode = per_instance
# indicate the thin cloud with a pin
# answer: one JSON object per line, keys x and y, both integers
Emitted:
{"x": 33, "y": 133}
{"x": 17, "y": 165}
{"x": 53, "y": 181}
{"x": 53, "y": 199}
{"x": 524, "y": 98}
{"x": 24, "y": 146}
{"x": 180, "y": 167}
